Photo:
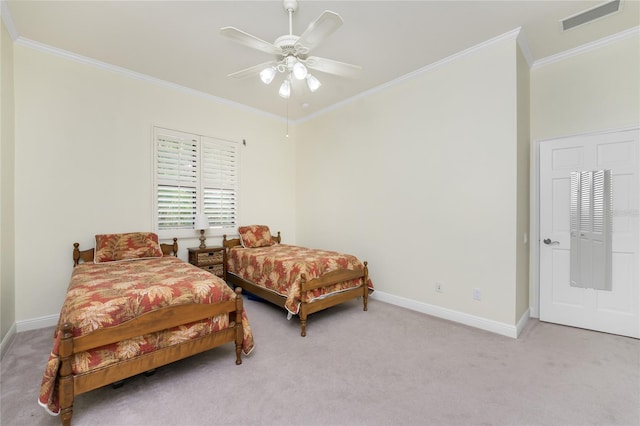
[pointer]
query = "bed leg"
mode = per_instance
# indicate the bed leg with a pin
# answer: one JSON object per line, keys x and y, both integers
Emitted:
{"x": 65, "y": 385}
{"x": 303, "y": 321}
{"x": 239, "y": 328}
{"x": 365, "y": 288}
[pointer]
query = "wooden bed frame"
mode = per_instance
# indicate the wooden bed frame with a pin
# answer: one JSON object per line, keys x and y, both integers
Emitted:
{"x": 306, "y": 308}
{"x": 171, "y": 316}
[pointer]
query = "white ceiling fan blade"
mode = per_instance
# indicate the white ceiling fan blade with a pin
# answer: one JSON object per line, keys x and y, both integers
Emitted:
{"x": 252, "y": 71}
{"x": 320, "y": 29}
{"x": 330, "y": 66}
{"x": 248, "y": 40}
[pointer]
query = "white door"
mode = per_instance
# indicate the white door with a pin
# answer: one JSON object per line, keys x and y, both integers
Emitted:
{"x": 616, "y": 311}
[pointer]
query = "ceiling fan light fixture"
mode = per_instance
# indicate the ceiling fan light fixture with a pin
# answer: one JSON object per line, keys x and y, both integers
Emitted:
{"x": 299, "y": 71}
{"x": 313, "y": 83}
{"x": 267, "y": 75}
{"x": 290, "y": 52}
{"x": 285, "y": 89}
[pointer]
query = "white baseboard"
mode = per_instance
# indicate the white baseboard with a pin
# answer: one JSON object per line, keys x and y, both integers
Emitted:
{"x": 6, "y": 341}
{"x": 32, "y": 324}
{"x": 37, "y": 323}
{"x": 425, "y": 308}
{"x": 523, "y": 321}
{"x": 455, "y": 316}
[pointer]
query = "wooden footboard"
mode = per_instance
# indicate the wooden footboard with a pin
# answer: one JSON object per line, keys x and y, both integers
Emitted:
{"x": 161, "y": 319}
{"x": 306, "y": 308}
{"x": 330, "y": 279}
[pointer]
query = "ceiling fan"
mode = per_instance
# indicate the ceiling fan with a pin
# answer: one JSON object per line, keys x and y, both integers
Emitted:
{"x": 291, "y": 52}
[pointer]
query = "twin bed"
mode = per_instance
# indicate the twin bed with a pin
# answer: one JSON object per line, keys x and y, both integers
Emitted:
{"x": 301, "y": 280}
{"x": 133, "y": 306}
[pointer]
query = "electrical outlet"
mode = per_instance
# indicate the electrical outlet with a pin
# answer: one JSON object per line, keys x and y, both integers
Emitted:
{"x": 477, "y": 295}
{"x": 439, "y": 287}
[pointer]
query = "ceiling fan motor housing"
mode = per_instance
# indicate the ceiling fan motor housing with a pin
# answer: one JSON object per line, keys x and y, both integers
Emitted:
{"x": 288, "y": 45}
{"x": 290, "y": 5}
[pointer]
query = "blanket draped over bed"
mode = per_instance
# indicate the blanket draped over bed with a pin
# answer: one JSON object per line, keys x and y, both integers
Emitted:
{"x": 280, "y": 267}
{"x": 105, "y": 295}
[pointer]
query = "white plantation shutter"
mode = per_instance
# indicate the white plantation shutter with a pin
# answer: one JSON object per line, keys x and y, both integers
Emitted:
{"x": 177, "y": 180}
{"x": 194, "y": 174}
{"x": 220, "y": 182}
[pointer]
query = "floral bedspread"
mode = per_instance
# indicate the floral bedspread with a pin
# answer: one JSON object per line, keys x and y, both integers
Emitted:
{"x": 279, "y": 267}
{"x": 107, "y": 294}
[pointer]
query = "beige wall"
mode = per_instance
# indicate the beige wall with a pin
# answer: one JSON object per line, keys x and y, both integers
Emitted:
{"x": 523, "y": 193}
{"x": 426, "y": 179}
{"x": 83, "y": 164}
{"x": 420, "y": 179}
{"x": 7, "y": 218}
{"x": 591, "y": 91}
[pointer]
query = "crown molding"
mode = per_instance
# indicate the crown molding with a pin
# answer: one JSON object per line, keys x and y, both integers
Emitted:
{"x": 8, "y": 20}
{"x": 524, "y": 48}
{"x": 631, "y": 32}
{"x": 139, "y": 76}
{"x": 517, "y": 33}
{"x": 513, "y": 34}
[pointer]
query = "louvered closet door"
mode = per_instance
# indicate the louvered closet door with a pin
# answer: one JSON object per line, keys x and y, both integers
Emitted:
{"x": 612, "y": 308}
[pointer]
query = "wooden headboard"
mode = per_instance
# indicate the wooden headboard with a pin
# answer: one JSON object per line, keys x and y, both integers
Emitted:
{"x": 87, "y": 255}
{"x": 227, "y": 244}
{"x": 234, "y": 242}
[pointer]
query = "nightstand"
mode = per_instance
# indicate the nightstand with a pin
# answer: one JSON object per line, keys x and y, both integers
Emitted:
{"x": 209, "y": 258}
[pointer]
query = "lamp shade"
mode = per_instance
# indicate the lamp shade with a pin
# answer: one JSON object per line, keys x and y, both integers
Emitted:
{"x": 285, "y": 89}
{"x": 299, "y": 71}
{"x": 267, "y": 74}
{"x": 202, "y": 221}
{"x": 313, "y": 83}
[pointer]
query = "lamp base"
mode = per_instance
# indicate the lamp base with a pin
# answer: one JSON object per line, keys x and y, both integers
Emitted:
{"x": 202, "y": 239}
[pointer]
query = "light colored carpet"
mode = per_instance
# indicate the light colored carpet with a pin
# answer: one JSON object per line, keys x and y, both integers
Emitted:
{"x": 387, "y": 366}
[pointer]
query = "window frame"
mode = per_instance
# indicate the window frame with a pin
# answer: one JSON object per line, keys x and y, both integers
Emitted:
{"x": 200, "y": 141}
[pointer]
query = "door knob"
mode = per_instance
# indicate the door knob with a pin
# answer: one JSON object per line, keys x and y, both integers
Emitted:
{"x": 548, "y": 241}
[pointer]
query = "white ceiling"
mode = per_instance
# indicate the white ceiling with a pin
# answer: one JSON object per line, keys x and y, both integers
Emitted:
{"x": 179, "y": 41}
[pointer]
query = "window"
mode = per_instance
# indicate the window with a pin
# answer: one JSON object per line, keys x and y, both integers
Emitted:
{"x": 194, "y": 174}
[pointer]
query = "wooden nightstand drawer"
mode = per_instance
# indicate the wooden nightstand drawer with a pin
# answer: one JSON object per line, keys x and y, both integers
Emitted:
{"x": 209, "y": 258}
{"x": 214, "y": 269}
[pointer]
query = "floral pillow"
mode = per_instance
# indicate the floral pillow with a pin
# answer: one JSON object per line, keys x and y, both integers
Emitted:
{"x": 129, "y": 246}
{"x": 255, "y": 236}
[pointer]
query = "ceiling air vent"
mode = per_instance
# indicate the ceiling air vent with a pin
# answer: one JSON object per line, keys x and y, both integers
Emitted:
{"x": 591, "y": 15}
